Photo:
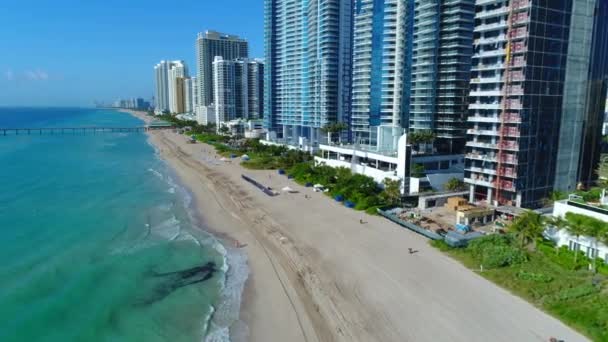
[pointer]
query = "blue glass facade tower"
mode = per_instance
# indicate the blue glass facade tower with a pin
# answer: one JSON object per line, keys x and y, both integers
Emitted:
{"x": 441, "y": 69}
{"x": 411, "y": 68}
{"x": 308, "y": 67}
{"x": 380, "y": 57}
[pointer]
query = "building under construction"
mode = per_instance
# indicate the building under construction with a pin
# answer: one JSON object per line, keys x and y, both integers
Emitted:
{"x": 539, "y": 72}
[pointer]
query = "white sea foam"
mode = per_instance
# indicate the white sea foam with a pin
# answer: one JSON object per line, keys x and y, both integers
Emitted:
{"x": 188, "y": 237}
{"x": 228, "y": 308}
{"x": 168, "y": 229}
{"x": 156, "y": 173}
{"x": 225, "y": 315}
{"x": 218, "y": 335}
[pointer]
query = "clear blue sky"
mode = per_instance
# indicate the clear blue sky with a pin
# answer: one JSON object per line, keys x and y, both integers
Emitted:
{"x": 73, "y": 52}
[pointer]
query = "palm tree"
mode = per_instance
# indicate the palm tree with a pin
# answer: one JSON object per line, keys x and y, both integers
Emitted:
{"x": 576, "y": 227}
{"x": 603, "y": 236}
{"x": 334, "y": 127}
{"x": 528, "y": 227}
{"x": 558, "y": 223}
{"x": 454, "y": 184}
{"x": 594, "y": 229}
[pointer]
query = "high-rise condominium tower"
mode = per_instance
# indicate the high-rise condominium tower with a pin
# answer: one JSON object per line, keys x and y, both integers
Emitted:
{"x": 307, "y": 67}
{"x": 238, "y": 85}
{"x": 161, "y": 73}
{"x": 224, "y": 90}
{"x": 209, "y": 45}
{"x": 381, "y": 63}
{"x": 411, "y": 69}
{"x": 177, "y": 73}
{"x": 442, "y": 46}
{"x": 195, "y": 92}
{"x": 255, "y": 87}
{"x": 188, "y": 102}
{"x": 539, "y": 74}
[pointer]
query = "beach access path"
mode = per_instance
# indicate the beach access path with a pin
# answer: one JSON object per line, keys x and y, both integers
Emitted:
{"x": 318, "y": 274}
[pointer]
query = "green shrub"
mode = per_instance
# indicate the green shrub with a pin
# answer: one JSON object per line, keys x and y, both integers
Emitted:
{"x": 565, "y": 257}
{"x": 531, "y": 276}
{"x": 501, "y": 256}
{"x": 477, "y": 246}
{"x": 495, "y": 251}
{"x": 367, "y": 202}
{"x": 576, "y": 292}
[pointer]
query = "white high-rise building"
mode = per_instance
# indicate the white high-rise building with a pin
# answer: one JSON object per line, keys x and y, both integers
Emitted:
{"x": 195, "y": 93}
{"x": 161, "y": 72}
{"x": 177, "y": 73}
{"x": 238, "y": 89}
{"x": 188, "y": 103}
{"x": 205, "y": 115}
{"x": 224, "y": 90}
{"x": 209, "y": 45}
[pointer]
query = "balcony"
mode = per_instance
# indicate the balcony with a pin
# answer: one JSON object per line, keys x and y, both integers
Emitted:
{"x": 481, "y": 156}
{"x": 520, "y": 4}
{"x": 512, "y": 104}
{"x": 479, "y": 181}
{"x": 490, "y": 27}
{"x": 491, "y": 13}
{"x": 477, "y": 105}
{"x": 507, "y": 185}
{"x": 509, "y": 145}
{"x": 507, "y": 172}
{"x": 515, "y": 90}
{"x": 479, "y": 80}
{"x": 481, "y": 67}
{"x": 511, "y": 118}
{"x": 490, "y": 40}
{"x": 477, "y": 118}
{"x": 485, "y": 170}
{"x": 508, "y": 159}
{"x": 495, "y": 92}
{"x": 490, "y": 53}
{"x": 482, "y": 145}
{"x": 482, "y": 132}
{"x": 512, "y": 132}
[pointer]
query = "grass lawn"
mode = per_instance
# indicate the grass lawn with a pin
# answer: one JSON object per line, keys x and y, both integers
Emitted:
{"x": 576, "y": 297}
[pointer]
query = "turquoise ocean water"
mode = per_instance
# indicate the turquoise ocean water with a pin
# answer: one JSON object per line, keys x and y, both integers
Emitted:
{"x": 97, "y": 241}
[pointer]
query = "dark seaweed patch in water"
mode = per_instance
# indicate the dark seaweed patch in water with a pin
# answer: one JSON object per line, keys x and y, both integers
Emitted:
{"x": 171, "y": 281}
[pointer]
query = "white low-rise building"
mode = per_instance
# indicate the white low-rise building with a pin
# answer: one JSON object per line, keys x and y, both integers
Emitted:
{"x": 394, "y": 163}
{"x": 590, "y": 246}
{"x": 205, "y": 115}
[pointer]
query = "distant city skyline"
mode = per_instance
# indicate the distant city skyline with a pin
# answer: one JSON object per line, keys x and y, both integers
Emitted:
{"x": 68, "y": 53}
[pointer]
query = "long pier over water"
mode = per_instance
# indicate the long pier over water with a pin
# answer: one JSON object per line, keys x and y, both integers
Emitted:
{"x": 78, "y": 130}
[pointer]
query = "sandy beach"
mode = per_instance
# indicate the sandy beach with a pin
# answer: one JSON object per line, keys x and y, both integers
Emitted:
{"x": 318, "y": 274}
